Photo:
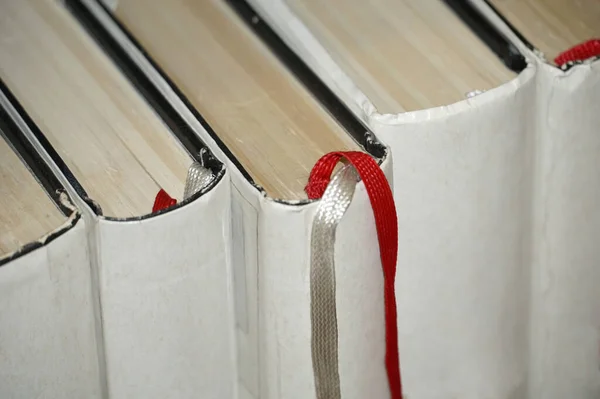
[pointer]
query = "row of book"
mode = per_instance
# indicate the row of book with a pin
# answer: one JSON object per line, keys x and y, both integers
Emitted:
{"x": 157, "y": 239}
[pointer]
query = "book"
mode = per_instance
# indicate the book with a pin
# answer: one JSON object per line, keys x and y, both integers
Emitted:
{"x": 47, "y": 327}
{"x": 564, "y": 322}
{"x": 160, "y": 278}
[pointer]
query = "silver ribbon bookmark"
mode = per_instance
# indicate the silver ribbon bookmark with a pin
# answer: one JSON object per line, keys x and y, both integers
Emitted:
{"x": 324, "y": 345}
{"x": 198, "y": 177}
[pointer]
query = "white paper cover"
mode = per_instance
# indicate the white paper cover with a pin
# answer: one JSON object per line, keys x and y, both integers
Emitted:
{"x": 565, "y": 341}
{"x": 462, "y": 180}
{"x": 165, "y": 292}
{"x": 47, "y": 336}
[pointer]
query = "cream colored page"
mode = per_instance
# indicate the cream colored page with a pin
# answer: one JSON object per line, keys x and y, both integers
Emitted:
{"x": 270, "y": 123}
{"x": 26, "y": 211}
{"x": 108, "y": 136}
{"x": 553, "y": 26}
{"x": 405, "y": 55}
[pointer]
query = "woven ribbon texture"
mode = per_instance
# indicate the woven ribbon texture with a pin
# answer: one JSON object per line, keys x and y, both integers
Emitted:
{"x": 580, "y": 52}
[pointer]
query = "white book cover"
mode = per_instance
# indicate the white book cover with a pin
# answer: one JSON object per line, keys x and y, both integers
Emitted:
{"x": 48, "y": 341}
{"x": 164, "y": 285}
{"x": 46, "y": 324}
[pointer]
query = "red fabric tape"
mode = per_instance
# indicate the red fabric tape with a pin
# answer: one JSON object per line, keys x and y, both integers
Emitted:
{"x": 163, "y": 201}
{"x": 580, "y": 52}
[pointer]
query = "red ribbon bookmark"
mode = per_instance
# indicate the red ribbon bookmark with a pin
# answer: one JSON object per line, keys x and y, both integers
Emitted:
{"x": 580, "y": 52}
{"x": 386, "y": 220}
{"x": 163, "y": 201}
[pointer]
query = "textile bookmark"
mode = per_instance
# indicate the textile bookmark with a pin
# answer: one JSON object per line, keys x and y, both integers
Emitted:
{"x": 580, "y": 52}
{"x": 323, "y": 313}
{"x": 336, "y": 195}
{"x": 163, "y": 201}
{"x": 198, "y": 177}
